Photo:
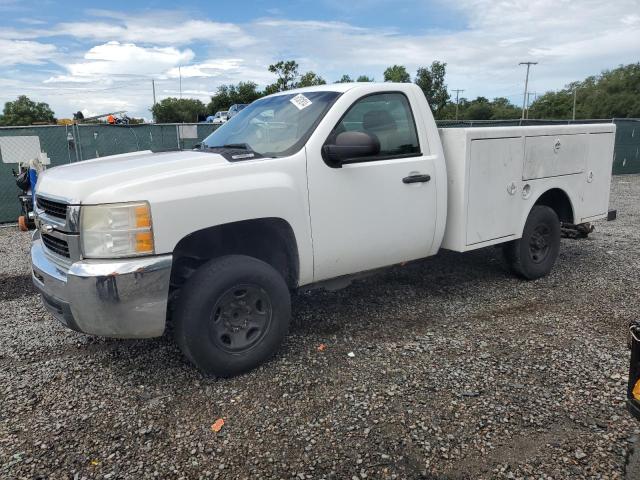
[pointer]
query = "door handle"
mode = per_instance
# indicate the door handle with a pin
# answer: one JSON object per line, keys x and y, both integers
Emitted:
{"x": 416, "y": 179}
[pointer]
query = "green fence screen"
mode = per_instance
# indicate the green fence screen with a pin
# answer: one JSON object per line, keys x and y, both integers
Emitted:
{"x": 74, "y": 143}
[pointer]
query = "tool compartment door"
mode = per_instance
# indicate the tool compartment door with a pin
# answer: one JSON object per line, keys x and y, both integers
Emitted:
{"x": 495, "y": 169}
{"x": 554, "y": 155}
{"x": 595, "y": 194}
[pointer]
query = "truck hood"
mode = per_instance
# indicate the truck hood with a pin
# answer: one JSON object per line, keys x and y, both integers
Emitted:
{"x": 123, "y": 177}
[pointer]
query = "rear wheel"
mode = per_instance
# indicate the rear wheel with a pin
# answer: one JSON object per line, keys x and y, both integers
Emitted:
{"x": 232, "y": 315}
{"x": 534, "y": 255}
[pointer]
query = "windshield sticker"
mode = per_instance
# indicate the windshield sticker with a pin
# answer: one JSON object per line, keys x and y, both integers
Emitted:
{"x": 243, "y": 155}
{"x": 300, "y": 101}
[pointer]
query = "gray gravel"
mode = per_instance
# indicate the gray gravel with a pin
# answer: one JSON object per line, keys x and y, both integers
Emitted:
{"x": 458, "y": 370}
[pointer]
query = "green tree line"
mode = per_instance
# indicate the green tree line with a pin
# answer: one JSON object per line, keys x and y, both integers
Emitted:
{"x": 288, "y": 76}
{"x": 24, "y": 111}
{"x": 612, "y": 93}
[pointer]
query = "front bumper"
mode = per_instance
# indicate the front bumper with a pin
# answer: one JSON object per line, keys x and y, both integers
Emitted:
{"x": 124, "y": 298}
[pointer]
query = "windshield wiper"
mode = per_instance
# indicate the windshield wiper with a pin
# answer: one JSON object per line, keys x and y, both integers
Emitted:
{"x": 241, "y": 146}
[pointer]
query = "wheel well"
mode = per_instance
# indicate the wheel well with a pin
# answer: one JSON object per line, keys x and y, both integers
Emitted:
{"x": 559, "y": 201}
{"x": 269, "y": 239}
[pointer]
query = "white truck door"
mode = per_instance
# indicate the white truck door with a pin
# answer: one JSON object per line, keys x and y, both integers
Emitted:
{"x": 382, "y": 209}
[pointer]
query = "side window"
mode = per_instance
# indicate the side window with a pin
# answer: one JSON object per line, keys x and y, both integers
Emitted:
{"x": 388, "y": 117}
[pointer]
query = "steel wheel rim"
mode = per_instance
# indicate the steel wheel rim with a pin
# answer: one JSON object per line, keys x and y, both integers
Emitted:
{"x": 540, "y": 243}
{"x": 241, "y": 318}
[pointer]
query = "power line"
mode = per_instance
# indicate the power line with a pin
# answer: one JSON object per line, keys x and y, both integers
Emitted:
{"x": 526, "y": 85}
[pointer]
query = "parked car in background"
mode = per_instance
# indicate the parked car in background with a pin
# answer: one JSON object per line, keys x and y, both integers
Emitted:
{"x": 218, "y": 119}
{"x": 234, "y": 109}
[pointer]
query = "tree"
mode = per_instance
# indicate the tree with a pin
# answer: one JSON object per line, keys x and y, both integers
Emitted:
{"x": 553, "y": 105}
{"x": 24, "y": 111}
{"x": 431, "y": 82}
{"x": 613, "y": 93}
{"x": 364, "y": 78}
{"x": 344, "y": 79}
{"x": 287, "y": 72}
{"x": 397, "y": 73}
{"x": 227, "y": 95}
{"x": 503, "y": 109}
{"x": 310, "y": 79}
{"x": 174, "y": 110}
{"x": 78, "y": 115}
{"x": 479, "y": 109}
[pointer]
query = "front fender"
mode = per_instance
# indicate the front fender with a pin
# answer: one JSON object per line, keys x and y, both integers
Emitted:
{"x": 273, "y": 187}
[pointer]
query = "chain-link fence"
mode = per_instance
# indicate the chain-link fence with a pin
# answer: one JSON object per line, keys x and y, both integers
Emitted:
{"x": 73, "y": 143}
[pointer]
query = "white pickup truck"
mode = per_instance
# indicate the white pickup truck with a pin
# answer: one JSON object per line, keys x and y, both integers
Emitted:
{"x": 303, "y": 188}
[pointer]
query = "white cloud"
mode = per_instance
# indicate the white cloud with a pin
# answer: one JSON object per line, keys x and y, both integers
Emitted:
{"x": 570, "y": 39}
{"x": 15, "y": 52}
{"x": 115, "y": 59}
{"x": 210, "y": 68}
{"x": 156, "y": 29}
{"x": 631, "y": 19}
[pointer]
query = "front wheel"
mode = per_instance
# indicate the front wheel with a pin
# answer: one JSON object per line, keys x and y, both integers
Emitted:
{"x": 534, "y": 255}
{"x": 232, "y": 315}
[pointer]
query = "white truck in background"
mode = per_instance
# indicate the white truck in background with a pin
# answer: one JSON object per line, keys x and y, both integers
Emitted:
{"x": 300, "y": 189}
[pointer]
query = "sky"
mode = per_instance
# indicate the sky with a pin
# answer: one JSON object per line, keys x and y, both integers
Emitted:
{"x": 76, "y": 56}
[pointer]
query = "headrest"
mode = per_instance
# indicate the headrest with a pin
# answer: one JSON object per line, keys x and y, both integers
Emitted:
{"x": 378, "y": 120}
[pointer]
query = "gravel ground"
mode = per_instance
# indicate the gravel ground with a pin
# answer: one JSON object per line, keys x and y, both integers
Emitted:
{"x": 448, "y": 368}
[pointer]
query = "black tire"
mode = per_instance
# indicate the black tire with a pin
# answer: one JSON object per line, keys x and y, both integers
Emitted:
{"x": 223, "y": 331}
{"x": 534, "y": 255}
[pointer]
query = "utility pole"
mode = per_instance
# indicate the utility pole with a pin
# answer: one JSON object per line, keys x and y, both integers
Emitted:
{"x": 575, "y": 92}
{"x": 458, "y": 90}
{"x": 526, "y": 85}
{"x": 180, "y": 75}
{"x": 535, "y": 96}
{"x": 153, "y": 86}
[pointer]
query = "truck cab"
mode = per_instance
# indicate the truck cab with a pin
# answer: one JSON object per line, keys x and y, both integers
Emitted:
{"x": 304, "y": 188}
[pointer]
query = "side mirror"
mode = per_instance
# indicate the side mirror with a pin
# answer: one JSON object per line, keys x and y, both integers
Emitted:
{"x": 349, "y": 147}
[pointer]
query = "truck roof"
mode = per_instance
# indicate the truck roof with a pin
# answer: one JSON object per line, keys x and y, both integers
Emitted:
{"x": 343, "y": 87}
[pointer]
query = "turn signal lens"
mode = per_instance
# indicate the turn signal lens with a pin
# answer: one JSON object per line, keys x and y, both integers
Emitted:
{"x": 636, "y": 390}
{"x": 144, "y": 242}
{"x": 143, "y": 216}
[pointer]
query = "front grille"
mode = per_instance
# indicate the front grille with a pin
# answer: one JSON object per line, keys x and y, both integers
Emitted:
{"x": 61, "y": 247}
{"x": 55, "y": 209}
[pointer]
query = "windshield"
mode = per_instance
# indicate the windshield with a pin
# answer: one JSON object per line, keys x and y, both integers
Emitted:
{"x": 273, "y": 126}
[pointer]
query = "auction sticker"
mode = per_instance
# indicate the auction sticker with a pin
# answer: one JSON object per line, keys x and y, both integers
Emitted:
{"x": 300, "y": 101}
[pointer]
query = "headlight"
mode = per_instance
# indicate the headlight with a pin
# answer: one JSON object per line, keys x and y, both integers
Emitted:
{"x": 116, "y": 230}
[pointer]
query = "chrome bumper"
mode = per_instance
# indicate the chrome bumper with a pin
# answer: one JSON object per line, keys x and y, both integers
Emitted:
{"x": 114, "y": 298}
